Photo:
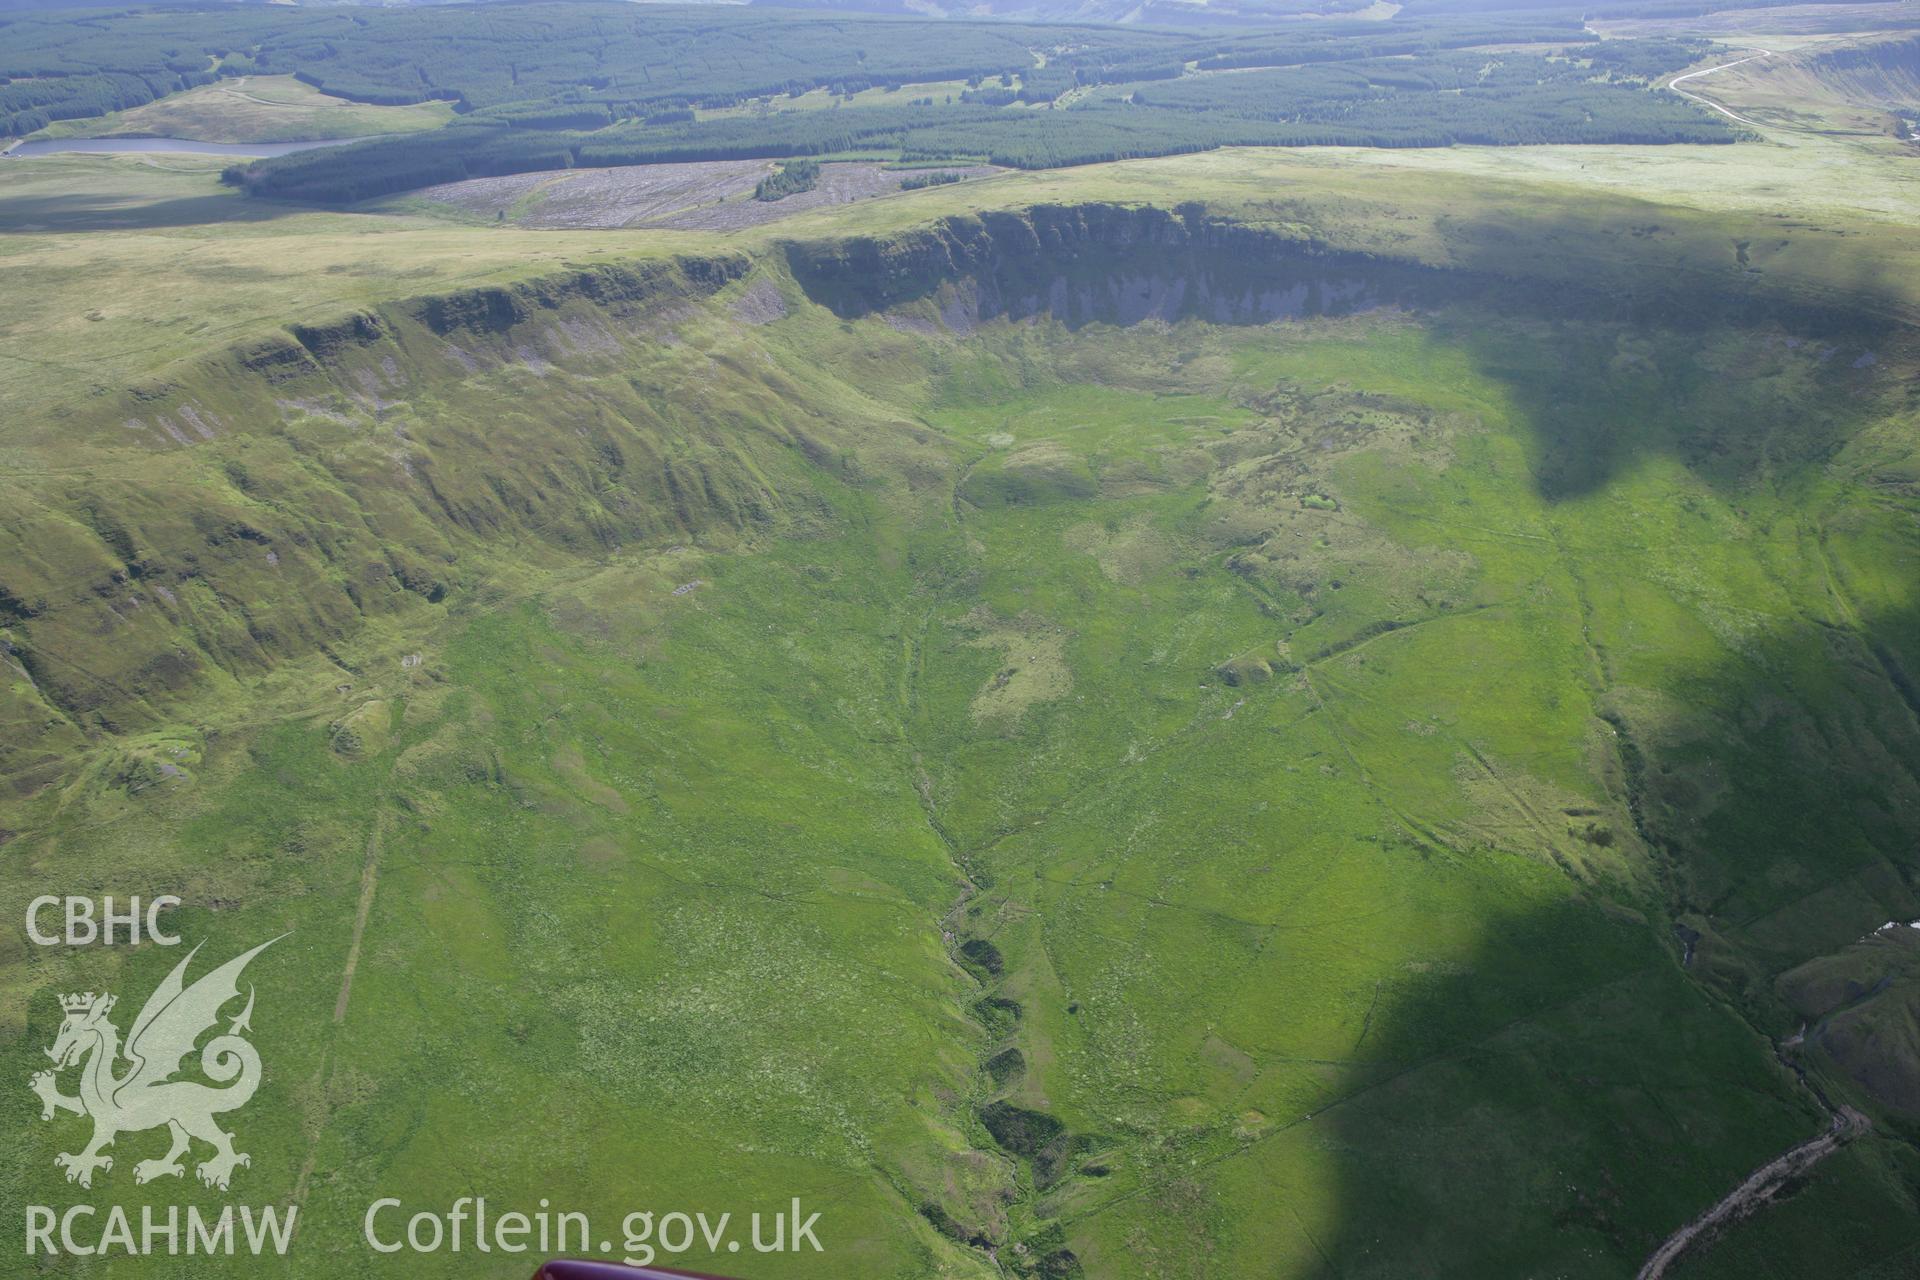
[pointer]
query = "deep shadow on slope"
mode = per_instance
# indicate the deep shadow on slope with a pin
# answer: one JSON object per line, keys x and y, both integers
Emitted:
{"x": 1815, "y": 837}
{"x": 1477, "y": 1153}
{"x": 105, "y": 211}
{"x": 1640, "y": 1080}
{"x": 1678, "y": 273}
{"x": 1742, "y": 401}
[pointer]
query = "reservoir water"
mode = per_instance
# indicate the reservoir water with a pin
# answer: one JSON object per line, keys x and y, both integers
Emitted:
{"x": 118, "y": 146}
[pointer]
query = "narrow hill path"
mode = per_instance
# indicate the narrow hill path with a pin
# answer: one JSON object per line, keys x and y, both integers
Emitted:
{"x": 324, "y": 1073}
{"x": 369, "y": 880}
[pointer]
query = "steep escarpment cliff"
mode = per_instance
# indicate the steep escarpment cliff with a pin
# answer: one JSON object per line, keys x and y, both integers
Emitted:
{"x": 1121, "y": 264}
{"x": 274, "y": 500}
{"x": 1105, "y": 263}
{"x": 1884, "y": 73}
{"x": 277, "y": 499}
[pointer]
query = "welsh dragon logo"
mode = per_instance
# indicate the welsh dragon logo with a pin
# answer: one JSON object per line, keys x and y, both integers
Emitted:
{"x": 146, "y": 1094}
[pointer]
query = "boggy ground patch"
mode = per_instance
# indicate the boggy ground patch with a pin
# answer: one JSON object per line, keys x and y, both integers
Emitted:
{"x": 1031, "y": 666}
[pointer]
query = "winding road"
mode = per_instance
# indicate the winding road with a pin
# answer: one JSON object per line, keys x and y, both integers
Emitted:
{"x": 1674, "y": 84}
{"x": 1760, "y": 1187}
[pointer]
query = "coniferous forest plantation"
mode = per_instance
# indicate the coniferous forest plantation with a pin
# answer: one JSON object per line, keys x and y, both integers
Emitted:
{"x": 549, "y": 86}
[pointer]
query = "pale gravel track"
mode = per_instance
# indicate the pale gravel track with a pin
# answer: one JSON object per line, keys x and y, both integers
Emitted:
{"x": 1674, "y": 84}
{"x": 1760, "y": 1186}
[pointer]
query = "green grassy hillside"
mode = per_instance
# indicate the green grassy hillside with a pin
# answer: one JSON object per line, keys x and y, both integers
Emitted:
{"x": 1085, "y": 740}
{"x": 255, "y": 109}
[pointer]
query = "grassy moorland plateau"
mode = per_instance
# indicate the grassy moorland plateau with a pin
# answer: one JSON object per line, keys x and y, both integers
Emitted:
{"x": 1336, "y": 712}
